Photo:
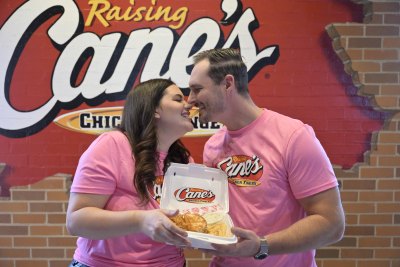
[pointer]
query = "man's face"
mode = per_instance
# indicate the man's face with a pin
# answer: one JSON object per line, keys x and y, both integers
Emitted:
{"x": 205, "y": 94}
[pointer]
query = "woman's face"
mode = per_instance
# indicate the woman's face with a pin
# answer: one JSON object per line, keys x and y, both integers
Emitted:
{"x": 173, "y": 114}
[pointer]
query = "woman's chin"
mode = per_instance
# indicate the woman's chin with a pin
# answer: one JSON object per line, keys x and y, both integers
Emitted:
{"x": 189, "y": 128}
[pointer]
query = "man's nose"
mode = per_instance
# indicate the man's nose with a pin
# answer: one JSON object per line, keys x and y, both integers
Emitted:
{"x": 191, "y": 98}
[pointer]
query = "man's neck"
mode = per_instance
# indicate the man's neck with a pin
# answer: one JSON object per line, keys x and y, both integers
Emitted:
{"x": 242, "y": 112}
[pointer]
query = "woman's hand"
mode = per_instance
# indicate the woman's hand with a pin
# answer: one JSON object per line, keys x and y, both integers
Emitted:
{"x": 157, "y": 225}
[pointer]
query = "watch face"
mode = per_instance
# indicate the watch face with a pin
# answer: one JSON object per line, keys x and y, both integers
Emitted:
{"x": 261, "y": 256}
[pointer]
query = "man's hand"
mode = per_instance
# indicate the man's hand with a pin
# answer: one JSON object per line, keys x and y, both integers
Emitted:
{"x": 247, "y": 246}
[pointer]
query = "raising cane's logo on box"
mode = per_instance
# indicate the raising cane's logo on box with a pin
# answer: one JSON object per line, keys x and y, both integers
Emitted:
{"x": 194, "y": 195}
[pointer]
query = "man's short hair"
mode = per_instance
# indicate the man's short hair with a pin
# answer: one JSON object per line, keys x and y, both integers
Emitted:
{"x": 224, "y": 61}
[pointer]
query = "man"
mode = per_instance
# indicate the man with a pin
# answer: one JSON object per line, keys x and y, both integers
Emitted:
{"x": 283, "y": 193}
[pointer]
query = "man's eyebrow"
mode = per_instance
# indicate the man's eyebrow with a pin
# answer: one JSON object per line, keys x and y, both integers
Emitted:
{"x": 195, "y": 85}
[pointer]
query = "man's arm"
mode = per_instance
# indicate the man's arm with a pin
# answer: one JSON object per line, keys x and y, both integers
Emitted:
{"x": 323, "y": 225}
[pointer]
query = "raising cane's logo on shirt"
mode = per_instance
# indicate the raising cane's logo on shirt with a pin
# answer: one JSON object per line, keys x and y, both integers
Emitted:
{"x": 242, "y": 170}
{"x": 156, "y": 190}
{"x": 194, "y": 195}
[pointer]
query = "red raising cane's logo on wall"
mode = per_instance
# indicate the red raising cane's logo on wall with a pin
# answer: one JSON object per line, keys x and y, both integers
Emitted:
{"x": 194, "y": 195}
{"x": 93, "y": 68}
{"x": 66, "y": 67}
{"x": 242, "y": 170}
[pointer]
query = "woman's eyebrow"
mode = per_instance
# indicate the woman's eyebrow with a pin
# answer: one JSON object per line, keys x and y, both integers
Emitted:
{"x": 179, "y": 96}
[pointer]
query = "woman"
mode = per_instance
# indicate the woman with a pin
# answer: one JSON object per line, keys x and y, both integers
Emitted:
{"x": 113, "y": 205}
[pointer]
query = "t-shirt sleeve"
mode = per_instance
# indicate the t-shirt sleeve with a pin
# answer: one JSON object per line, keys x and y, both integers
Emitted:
{"x": 98, "y": 170}
{"x": 308, "y": 166}
{"x": 206, "y": 158}
{"x": 212, "y": 148}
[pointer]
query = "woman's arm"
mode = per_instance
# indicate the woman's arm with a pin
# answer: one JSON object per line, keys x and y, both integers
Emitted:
{"x": 87, "y": 218}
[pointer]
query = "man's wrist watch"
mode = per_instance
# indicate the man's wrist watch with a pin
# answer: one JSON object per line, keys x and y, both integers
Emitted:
{"x": 263, "y": 252}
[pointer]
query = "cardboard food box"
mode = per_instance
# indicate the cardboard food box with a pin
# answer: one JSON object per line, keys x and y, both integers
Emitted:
{"x": 197, "y": 189}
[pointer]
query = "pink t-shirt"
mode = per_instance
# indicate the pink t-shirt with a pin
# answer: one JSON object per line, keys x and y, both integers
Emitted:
{"x": 107, "y": 168}
{"x": 270, "y": 164}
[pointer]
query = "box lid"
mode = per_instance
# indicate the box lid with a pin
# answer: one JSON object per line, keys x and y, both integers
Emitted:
{"x": 195, "y": 188}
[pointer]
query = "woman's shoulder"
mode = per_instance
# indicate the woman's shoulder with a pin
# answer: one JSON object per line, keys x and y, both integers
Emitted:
{"x": 114, "y": 135}
{"x": 114, "y": 138}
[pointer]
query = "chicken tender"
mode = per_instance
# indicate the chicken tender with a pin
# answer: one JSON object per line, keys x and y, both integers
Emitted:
{"x": 190, "y": 222}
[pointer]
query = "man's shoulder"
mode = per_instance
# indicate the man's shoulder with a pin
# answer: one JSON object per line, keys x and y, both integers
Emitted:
{"x": 282, "y": 118}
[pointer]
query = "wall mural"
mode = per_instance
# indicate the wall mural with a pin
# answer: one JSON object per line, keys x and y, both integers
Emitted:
{"x": 66, "y": 67}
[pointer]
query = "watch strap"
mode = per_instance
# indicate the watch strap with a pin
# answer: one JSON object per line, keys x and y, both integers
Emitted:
{"x": 263, "y": 252}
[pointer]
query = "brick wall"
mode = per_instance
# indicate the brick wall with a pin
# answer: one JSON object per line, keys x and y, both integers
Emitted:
{"x": 370, "y": 191}
{"x": 32, "y": 225}
{"x": 32, "y": 220}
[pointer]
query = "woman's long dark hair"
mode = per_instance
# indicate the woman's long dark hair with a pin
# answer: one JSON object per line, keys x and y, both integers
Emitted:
{"x": 139, "y": 125}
